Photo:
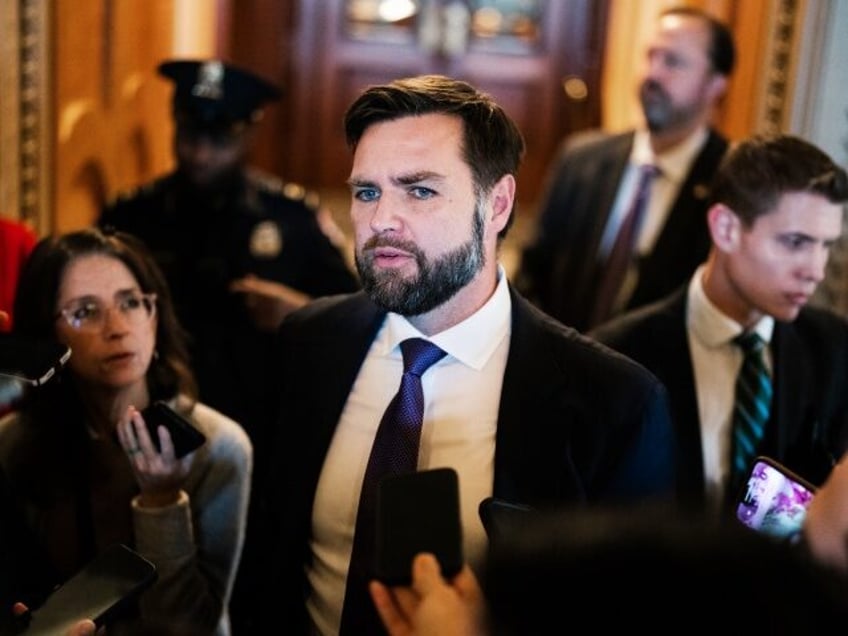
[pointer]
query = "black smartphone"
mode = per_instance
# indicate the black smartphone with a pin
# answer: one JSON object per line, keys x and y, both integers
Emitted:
{"x": 774, "y": 499}
{"x": 185, "y": 436}
{"x": 100, "y": 591}
{"x": 418, "y": 512}
{"x": 31, "y": 361}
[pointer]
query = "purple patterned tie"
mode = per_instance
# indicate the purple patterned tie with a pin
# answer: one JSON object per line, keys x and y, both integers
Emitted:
{"x": 621, "y": 254}
{"x": 395, "y": 451}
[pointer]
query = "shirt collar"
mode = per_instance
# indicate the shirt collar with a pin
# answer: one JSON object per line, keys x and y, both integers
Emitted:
{"x": 709, "y": 324}
{"x": 473, "y": 340}
{"x": 673, "y": 163}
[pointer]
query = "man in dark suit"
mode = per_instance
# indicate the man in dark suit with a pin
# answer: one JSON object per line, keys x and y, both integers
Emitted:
{"x": 520, "y": 406}
{"x": 777, "y": 208}
{"x": 594, "y": 178}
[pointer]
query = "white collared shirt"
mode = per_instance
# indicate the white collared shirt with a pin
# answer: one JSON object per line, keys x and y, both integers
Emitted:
{"x": 674, "y": 166}
{"x": 461, "y": 394}
{"x": 716, "y": 362}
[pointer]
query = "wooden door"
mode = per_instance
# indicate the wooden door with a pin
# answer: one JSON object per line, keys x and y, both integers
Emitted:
{"x": 541, "y": 59}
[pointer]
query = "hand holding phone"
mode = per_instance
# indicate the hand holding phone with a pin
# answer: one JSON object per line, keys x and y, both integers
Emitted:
{"x": 774, "y": 500}
{"x": 185, "y": 436}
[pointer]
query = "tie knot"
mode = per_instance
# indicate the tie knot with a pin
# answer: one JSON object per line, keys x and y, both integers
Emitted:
{"x": 648, "y": 171}
{"x": 750, "y": 342}
{"x": 419, "y": 355}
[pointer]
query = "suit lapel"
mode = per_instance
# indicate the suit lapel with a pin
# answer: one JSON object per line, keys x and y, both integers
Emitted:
{"x": 530, "y": 459}
{"x": 790, "y": 393}
{"x": 674, "y": 368}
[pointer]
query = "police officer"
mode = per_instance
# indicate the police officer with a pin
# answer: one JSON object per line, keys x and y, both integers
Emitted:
{"x": 239, "y": 248}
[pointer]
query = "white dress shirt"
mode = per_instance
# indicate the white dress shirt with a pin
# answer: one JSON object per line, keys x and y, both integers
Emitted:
{"x": 461, "y": 395}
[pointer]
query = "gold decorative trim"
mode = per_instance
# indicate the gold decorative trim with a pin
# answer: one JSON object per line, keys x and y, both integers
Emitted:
{"x": 9, "y": 108}
{"x": 34, "y": 129}
{"x": 24, "y": 117}
{"x": 779, "y": 71}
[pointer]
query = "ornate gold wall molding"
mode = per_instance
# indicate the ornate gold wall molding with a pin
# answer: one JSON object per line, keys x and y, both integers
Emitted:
{"x": 24, "y": 112}
{"x": 781, "y": 66}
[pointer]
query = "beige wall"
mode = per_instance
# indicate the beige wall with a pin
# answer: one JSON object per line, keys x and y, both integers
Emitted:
{"x": 111, "y": 108}
{"x": 631, "y": 24}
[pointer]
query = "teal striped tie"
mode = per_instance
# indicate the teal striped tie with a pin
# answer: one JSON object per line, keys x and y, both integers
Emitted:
{"x": 753, "y": 403}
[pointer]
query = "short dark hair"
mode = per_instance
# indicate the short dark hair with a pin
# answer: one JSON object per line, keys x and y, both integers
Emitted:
{"x": 493, "y": 144}
{"x": 722, "y": 51}
{"x": 38, "y": 290}
{"x": 757, "y": 171}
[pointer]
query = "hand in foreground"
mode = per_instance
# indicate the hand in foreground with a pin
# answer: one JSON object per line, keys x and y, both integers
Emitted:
{"x": 83, "y": 627}
{"x": 826, "y": 523}
{"x": 432, "y": 606}
{"x": 268, "y": 301}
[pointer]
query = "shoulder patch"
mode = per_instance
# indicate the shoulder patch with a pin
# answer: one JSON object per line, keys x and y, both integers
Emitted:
{"x": 265, "y": 181}
{"x": 144, "y": 189}
{"x": 289, "y": 189}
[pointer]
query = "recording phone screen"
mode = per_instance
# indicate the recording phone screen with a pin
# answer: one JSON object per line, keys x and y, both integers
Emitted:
{"x": 774, "y": 500}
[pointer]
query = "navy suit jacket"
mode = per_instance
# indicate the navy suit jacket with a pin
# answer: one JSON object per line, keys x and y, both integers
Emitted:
{"x": 577, "y": 424}
{"x": 559, "y": 269}
{"x": 808, "y": 426}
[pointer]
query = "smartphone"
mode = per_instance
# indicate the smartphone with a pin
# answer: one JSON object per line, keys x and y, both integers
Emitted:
{"x": 418, "y": 512}
{"x": 501, "y": 517}
{"x": 774, "y": 499}
{"x": 100, "y": 591}
{"x": 185, "y": 436}
{"x": 29, "y": 360}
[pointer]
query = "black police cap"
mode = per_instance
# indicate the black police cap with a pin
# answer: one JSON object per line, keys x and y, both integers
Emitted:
{"x": 212, "y": 94}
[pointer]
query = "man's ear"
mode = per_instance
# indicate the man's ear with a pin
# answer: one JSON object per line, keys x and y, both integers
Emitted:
{"x": 717, "y": 87}
{"x": 502, "y": 198}
{"x": 724, "y": 225}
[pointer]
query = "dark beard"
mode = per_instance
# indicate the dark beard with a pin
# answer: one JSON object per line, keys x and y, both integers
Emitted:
{"x": 437, "y": 281}
{"x": 661, "y": 113}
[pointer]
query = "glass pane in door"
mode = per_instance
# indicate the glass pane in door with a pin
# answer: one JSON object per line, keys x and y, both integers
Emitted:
{"x": 387, "y": 21}
{"x": 506, "y": 26}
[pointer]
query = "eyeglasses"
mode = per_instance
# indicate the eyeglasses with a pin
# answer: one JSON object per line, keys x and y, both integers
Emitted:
{"x": 89, "y": 314}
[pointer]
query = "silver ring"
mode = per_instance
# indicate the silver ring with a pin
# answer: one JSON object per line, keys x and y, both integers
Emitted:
{"x": 134, "y": 450}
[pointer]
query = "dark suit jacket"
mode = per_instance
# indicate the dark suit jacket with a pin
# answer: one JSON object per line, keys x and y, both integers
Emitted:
{"x": 577, "y": 424}
{"x": 559, "y": 270}
{"x": 808, "y": 427}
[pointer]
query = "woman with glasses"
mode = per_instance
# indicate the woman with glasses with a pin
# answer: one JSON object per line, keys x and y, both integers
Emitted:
{"x": 79, "y": 463}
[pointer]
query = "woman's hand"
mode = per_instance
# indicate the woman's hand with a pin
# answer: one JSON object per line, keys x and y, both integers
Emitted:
{"x": 160, "y": 475}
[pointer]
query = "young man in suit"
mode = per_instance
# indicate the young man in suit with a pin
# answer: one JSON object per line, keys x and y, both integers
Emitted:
{"x": 594, "y": 180}
{"x": 776, "y": 210}
{"x": 520, "y": 406}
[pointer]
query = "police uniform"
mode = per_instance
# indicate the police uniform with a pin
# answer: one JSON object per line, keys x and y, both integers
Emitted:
{"x": 204, "y": 239}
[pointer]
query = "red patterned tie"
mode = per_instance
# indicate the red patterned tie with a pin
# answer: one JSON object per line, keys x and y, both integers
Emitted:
{"x": 621, "y": 254}
{"x": 395, "y": 451}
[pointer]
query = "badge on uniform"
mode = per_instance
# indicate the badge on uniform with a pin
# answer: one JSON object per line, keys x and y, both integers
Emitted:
{"x": 210, "y": 77}
{"x": 266, "y": 240}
